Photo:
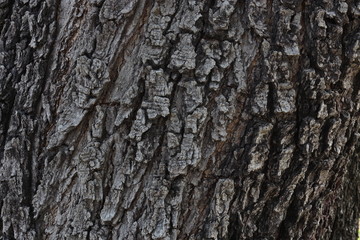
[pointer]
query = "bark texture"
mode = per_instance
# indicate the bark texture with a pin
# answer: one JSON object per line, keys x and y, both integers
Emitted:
{"x": 179, "y": 119}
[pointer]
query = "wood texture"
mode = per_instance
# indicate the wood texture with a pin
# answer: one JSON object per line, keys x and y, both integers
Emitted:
{"x": 174, "y": 119}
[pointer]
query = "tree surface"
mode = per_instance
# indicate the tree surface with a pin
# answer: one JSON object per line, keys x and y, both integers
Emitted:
{"x": 179, "y": 119}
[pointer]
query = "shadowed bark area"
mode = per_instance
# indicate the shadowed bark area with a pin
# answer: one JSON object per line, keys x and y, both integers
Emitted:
{"x": 175, "y": 119}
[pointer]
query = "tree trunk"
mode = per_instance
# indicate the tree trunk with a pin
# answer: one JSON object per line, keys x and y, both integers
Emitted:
{"x": 174, "y": 119}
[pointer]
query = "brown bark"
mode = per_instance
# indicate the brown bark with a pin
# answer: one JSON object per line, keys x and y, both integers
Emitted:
{"x": 174, "y": 119}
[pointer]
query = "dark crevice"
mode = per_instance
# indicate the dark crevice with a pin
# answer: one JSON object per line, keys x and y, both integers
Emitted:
{"x": 325, "y": 134}
{"x": 356, "y": 87}
{"x": 234, "y": 227}
{"x": 290, "y": 218}
{"x": 10, "y": 234}
{"x": 271, "y": 101}
{"x": 108, "y": 175}
{"x": 6, "y": 114}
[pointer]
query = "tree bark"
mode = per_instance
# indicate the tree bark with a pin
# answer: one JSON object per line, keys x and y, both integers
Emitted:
{"x": 174, "y": 119}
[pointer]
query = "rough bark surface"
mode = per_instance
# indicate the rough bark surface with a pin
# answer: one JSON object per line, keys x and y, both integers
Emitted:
{"x": 175, "y": 119}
